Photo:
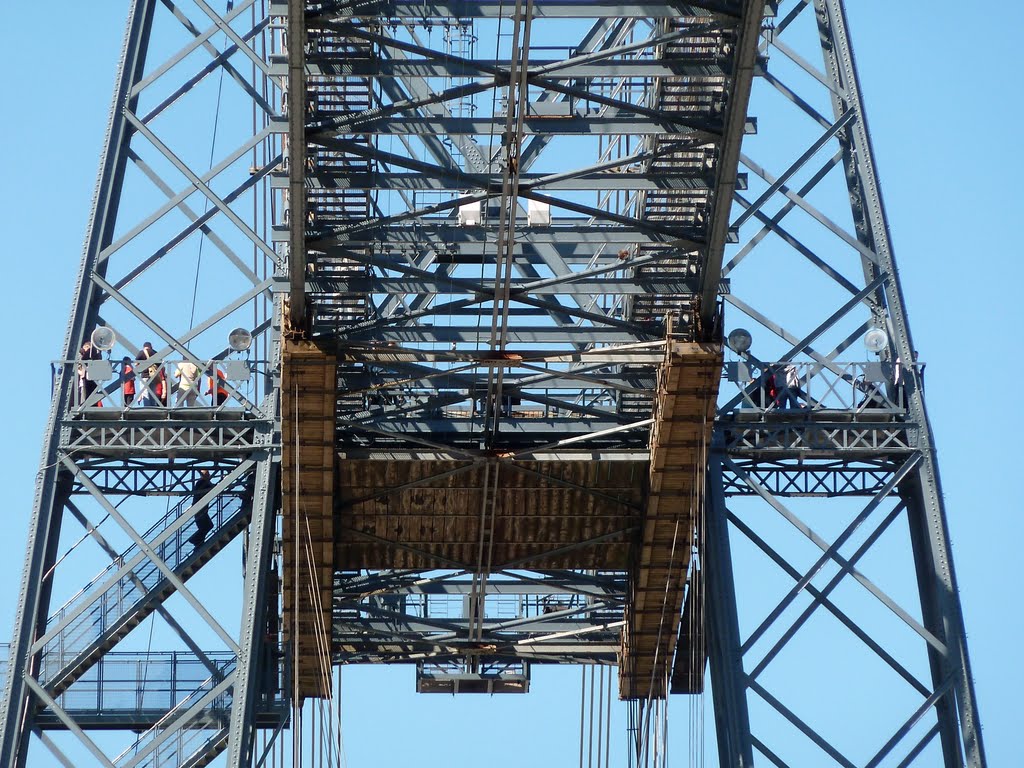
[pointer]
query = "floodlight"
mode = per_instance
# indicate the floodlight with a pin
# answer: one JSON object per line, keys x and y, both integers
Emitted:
{"x": 739, "y": 340}
{"x": 875, "y": 340}
{"x": 239, "y": 339}
{"x": 103, "y": 338}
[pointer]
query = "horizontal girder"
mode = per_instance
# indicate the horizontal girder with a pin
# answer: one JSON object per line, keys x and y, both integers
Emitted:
{"x": 464, "y": 9}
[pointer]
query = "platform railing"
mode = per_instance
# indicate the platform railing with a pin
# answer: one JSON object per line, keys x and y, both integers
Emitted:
{"x": 147, "y": 690}
{"x": 858, "y": 387}
{"x": 112, "y": 384}
{"x": 199, "y": 738}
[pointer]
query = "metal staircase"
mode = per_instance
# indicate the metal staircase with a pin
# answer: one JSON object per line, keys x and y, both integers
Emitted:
{"x": 684, "y": 204}
{"x": 331, "y": 203}
{"x": 121, "y": 596}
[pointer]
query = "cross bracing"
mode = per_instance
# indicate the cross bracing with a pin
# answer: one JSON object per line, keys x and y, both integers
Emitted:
{"x": 397, "y": 142}
{"x": 829, "y": 499}
{"x": 507, "y": 234}
{"x": 177, "y": 253}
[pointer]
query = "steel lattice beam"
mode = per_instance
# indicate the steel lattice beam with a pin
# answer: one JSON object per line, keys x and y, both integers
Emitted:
{"x": 494, "y": 254}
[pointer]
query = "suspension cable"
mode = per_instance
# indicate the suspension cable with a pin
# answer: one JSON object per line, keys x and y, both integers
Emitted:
{"x": 206, "y": 199}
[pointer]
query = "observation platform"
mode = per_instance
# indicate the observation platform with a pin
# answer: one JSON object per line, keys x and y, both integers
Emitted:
{"x": 139, "y": 690}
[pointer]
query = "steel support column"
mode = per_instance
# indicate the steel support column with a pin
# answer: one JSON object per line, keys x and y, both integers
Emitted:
{"x": 960, "y": 729}
{"x": 732, "y": 721}
{"x": 53, "y": 484}
{"x": 803, "y": 425}
{"x": 113, "y": 464}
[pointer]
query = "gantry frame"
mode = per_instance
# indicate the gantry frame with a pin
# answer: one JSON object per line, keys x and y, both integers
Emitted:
{"x": 864, "y": 435}
{"x": 117, "y": 493}
{"x": 502, "y": 309}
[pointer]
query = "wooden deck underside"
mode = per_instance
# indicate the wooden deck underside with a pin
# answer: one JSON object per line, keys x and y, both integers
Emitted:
{"x": 634, "y": 516}
{"x": 684, "y": 416}
{"x": 431, "y": 514}
{"x": 308, "y": 383}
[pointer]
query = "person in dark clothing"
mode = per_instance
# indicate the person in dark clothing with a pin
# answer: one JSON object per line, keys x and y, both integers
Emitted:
{"x": 127, "y": 380}
{"x": 87, "y": 386}
{"x": 768, "y": 387}
{"x": 203, "y": 522}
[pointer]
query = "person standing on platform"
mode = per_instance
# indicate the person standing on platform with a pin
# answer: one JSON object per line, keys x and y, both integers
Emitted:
{"x": 217, "y": 391}
{"x": 187, "y": 375}
{"x": 151, "y": 377}
{"x": 789, "y": 392}
{"x": 87, "y": 386}
{"x": 127, "y": 380}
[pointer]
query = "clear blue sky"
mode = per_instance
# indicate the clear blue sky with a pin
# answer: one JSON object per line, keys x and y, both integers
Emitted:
{"x": 943, "y": 116}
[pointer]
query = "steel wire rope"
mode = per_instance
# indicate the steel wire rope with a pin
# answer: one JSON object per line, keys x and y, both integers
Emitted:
{"x": 595, "y": 744}
{"x": 583, "y": 699}
{"x": 322, "y": 644}
{"x": 342, "y": 759}
{"x": 323, "y": 639}
{"x": 206, "y": 198}
{"x": 608, "y": 725}
{"x": 461, "y": 112}
{"x": 511, "y": 140}
{"x": 312, "y": 587}
{"x": 263, "y": 204}
{"x": 152, "y": 618}
{"x": 600, "y": 713}
{"x": 702, "y": 594}
{"x": 664, "y": 608}
{"x": 503, "y": 257}
{"x": 485, "y": 401}
{"x": 478, "y": 586}
{"x": 590, "y": 733}
{"x": 84, "y": 536}
{"x": 695, "y": 620}
{"x": 141, "y": 692}
{"x": 296, "y": 704}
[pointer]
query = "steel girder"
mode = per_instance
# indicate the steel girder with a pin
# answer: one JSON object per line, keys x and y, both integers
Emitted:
{"x": 118, "y": 492}
{"x": 829, "y": 572}
{"x": 528, "y": 617}
{"x": 450, "y": 223}
{"x": 492, "y": 247}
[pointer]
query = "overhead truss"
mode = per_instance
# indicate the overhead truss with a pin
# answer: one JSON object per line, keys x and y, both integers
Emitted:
{"x": 482, "y": 250}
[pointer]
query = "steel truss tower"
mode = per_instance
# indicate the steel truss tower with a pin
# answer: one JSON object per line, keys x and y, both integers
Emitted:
{"x": 479, "y": 416}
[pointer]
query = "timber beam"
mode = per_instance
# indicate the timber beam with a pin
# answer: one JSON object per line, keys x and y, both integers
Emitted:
{"x": 308, "y": 378}
{"x": 680, "y": 439}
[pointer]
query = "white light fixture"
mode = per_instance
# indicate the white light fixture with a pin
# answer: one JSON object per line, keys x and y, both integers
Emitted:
{"x": 239, "y": 339}
{"x": 739, "y": 340}
{"x": 875, "y": 340}
{"x": 470, "y": 214}
{"x": 103, "y": 338}
{"x": 538, "y": 214}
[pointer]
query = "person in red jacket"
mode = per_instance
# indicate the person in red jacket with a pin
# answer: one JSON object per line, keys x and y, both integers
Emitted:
{"x": 220, "y": 396}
